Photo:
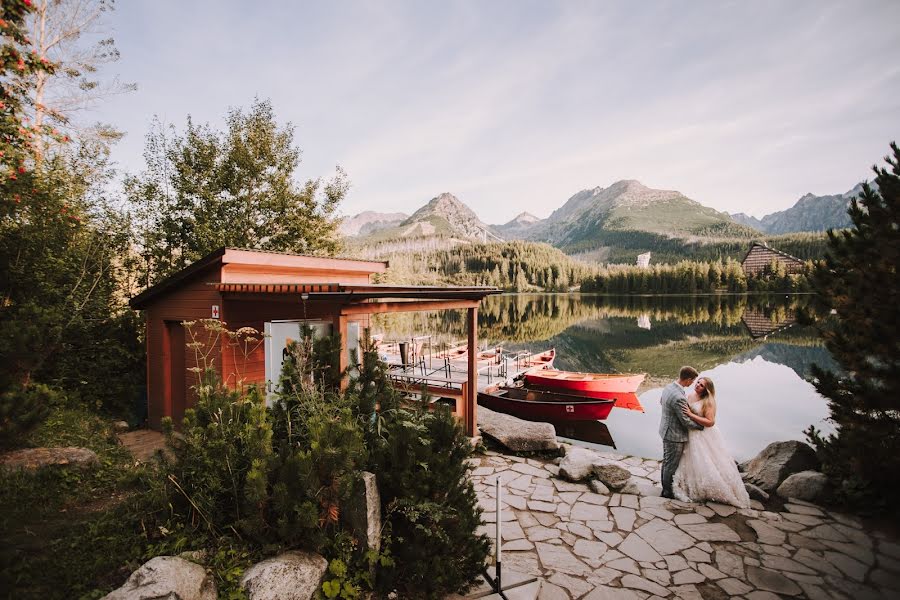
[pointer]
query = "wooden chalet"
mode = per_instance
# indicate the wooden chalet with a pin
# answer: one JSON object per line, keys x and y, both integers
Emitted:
{"x": 276, "y": 294}
{"x": 760, "y": 256}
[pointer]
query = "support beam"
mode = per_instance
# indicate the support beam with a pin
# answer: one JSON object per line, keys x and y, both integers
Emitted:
{"x": 374, "y": 308}
{"x": 340, "y": 328}
{"x": 471, "y": 402}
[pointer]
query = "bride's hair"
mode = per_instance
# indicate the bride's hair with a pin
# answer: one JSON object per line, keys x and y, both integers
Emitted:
{"x": 709, "y": 393}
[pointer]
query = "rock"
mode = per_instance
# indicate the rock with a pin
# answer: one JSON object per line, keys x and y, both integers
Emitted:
{"x": 290, "y": 576}
{"x": 612, "y": 476}
{"x": 167, "y": 577}
{"x": 805, "y": 485}
{"x": 598, "y": 487}
{"x": 365, "y": 512}
{"x": 771, "y": 581}
{"x": 516, "y": 434}
{"x": 577, "y": 463}
{"x": 120, "y": 426}
{"x": 755, "y": 492}
{"x": 32, "y": 459}
{"x": 778, "y": 461}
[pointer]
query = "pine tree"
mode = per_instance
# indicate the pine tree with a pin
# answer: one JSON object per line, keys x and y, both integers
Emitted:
{"x": 858, "y": 282}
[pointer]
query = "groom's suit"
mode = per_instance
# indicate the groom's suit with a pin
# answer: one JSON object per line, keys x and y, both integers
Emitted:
{"x": 673, "y": 429}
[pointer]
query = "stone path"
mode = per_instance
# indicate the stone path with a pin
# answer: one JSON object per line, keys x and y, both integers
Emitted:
{"x": 589, "y": 546}
{"x": 143, "y": 443}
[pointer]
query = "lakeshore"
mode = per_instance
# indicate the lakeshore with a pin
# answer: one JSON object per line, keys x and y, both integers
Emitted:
{"x": 581, "y": 545}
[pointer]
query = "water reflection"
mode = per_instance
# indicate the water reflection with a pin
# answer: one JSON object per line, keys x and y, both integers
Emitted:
{"x": 753, "y": 347}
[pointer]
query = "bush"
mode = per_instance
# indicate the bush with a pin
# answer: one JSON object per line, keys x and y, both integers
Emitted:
{"x": 22, "y": 408}
{"x": 432, "y": 511}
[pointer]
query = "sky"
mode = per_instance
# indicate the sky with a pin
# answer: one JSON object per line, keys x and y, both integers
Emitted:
{"x": 517, "y": 105}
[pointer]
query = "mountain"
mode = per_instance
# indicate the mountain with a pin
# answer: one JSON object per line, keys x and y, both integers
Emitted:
{"x": 369, "y": 222}
{"x": 443, "y": 216}
{"x": 629, "y": 206}
{"x": 810, "y": 213}
{"x": 748, "y": 220}
{"x": 518, "y": 227}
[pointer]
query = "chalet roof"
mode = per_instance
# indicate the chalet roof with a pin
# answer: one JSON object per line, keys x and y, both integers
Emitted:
{"x": 255, "y": 257}
{"x": 771, "y": 249}
{"x": 350, "y": 293}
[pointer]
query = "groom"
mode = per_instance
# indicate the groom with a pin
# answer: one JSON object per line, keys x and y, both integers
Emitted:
{"x": 674, "y": 425}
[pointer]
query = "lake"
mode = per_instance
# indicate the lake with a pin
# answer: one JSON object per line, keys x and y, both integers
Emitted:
{"x": 752, "y": 348}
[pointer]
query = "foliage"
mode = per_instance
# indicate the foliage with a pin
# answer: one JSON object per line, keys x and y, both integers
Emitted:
{"x": 432, "y": 512}
{"x": 687, "y": 277}
{"x": 62, "y": 317}
{"x": 206, "y": 189}
{"x": 18, "y": 136}
{"x": 58, "y": 30}
{"x": 858, "y": 281}
{"x": 22, "y": 408}
{"x": 519, "y": 266}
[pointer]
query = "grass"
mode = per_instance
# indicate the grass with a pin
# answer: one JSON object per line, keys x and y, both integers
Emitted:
{"x": 68, "y": 533}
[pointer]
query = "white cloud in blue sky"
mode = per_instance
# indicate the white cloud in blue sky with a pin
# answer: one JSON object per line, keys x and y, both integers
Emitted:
{"x": 512, "y": 106}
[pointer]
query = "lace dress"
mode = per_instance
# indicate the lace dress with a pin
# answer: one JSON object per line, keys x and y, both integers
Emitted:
{"x": 706, "y": 470}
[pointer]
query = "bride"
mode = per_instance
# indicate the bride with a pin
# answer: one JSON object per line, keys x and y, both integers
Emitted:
{"x": 706, "y": 470}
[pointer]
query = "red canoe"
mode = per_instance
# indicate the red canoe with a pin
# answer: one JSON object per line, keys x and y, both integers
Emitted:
{"x": 585, "y": 384}
{"x": 538, "y": 405}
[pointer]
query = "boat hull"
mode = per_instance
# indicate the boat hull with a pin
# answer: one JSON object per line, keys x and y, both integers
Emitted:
{"x": 585, "y": 383}
{"x": 537, "y": 405}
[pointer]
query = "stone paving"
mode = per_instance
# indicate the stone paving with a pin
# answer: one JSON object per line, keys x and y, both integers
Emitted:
{"x": 590, "y": 546}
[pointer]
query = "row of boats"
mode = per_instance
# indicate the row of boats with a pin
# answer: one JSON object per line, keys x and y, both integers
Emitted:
{"x": 545, "y": 393}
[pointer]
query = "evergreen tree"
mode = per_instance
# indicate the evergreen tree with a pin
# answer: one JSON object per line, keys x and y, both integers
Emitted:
{"x": 858, "y": 281}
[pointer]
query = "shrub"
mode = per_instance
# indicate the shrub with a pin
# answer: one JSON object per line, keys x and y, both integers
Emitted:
{"x": 432, "y": 512}
{"x": 22, "y": 408}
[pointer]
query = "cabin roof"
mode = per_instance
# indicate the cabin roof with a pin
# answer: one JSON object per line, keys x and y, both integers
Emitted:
{"x": 245, "y": 256}
{"x": 765, "y": 246}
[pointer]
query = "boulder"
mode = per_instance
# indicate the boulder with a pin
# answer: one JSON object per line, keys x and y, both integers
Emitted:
{"x": 598, "y": 487}
{"x": 577, "y": 464}
{"x": 755, "y": 493}
{"x": 612, "y": 476}
{"x": 515, "y": 434}
{"x": 778, "y": 461}
{"x": 167, "y": 577}
{"x": 32, "y": 459}
{"x": 805, "y": 485}
{"x": 365, "y": 512}
{"x": 293, "y": 575}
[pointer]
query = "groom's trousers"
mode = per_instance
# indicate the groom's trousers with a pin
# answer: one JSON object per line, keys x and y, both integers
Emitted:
{"x": 672, "y": 452}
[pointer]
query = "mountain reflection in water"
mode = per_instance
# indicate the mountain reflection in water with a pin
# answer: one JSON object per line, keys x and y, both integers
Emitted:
{"x": 752, "y": 348}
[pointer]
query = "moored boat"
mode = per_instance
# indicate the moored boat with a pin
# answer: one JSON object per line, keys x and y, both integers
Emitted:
{"x": 536, "y": 404}
{"x": 585, "y": 384}
{"x": 541, "y": 360}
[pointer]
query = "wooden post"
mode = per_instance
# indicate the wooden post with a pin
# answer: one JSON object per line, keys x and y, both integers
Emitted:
{"x": 340, "y": 328}
{"x": 471, "y": 399}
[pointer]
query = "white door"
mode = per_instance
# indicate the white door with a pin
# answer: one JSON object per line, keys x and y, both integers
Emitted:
{"x": 278, "y": 335}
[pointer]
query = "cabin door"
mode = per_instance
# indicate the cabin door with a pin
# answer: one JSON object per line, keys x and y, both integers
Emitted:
{"x": 278, "y": 335}
{"x": 175, "y": 390}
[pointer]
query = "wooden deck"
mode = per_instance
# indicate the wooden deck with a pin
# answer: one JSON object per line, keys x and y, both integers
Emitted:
{"x": 444, "y": 373}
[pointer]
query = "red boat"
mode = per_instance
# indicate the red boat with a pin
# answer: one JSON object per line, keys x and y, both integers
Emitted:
{"x": 534, "y": 362}
{"x": 585, "y": 384}
{"x": 538, "y": 405}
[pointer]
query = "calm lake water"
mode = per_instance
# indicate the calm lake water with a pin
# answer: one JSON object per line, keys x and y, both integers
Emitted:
{"x": 751, "y": 347}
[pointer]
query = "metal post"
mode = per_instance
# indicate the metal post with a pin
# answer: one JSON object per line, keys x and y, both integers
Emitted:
{"x": 499, "y": 535}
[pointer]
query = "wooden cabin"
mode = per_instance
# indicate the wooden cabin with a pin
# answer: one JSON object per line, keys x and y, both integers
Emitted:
{"x": 274, "y": 293}
{"x": 760, "y": 256}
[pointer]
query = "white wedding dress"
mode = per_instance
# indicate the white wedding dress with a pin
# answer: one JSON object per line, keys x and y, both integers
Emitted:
{"x": 706, "y": 470}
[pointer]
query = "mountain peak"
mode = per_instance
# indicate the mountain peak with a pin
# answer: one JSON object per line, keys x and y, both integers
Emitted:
{"x": 459, "y": 219}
